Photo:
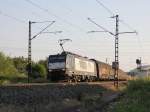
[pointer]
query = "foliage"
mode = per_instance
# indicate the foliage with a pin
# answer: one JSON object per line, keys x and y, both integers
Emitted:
{"x": 136, "y": 98}
{"x": 7, "y": 68}
{"x": 14, "y": 70}
{"x": 43, "y": 62}
{"x": 38, "y": 70}
{"x": 20, "y": 64}
{"x": 8, "y": 72}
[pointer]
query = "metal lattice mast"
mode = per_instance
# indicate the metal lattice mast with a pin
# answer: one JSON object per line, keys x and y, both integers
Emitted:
{"x": 29, "y": 67}
{"x": 116, "y": 52}
{"x": 115, "y": 64}
{"x": 29, "y": 53}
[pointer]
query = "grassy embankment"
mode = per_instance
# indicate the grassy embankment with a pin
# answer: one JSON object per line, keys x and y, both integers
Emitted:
{"x": 136, "y": 98}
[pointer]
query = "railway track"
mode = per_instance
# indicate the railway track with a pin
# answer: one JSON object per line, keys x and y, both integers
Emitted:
{"x": 102, "y": 83}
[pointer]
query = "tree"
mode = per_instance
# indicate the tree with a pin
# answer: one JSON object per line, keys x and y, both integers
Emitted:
{"x": 7, "y": 68}
{"x": 43, "y": 62}
{"x": 20, "y": 64}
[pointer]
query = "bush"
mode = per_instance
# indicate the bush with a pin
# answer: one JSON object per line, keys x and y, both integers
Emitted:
{"x": 14, "y": 70}
{"x": 20, "y": 64}
{"x": 8, "y": 71}
{"x": 7, "y": 68}
{"x": 38, "y": 71}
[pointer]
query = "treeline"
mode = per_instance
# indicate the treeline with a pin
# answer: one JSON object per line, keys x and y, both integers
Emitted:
{"x": 14, "y": 70}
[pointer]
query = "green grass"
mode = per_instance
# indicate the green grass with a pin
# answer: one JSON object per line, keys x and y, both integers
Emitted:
{"x": 137, "y": 97}
{"x": 20, "y": 78}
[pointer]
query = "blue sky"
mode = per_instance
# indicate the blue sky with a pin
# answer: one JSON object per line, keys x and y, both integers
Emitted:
{"x": 71, "y": 18}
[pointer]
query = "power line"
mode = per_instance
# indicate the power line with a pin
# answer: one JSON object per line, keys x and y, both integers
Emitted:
{"x": 58, "y": 17}
{"x": 111, "y": 13}
{"x": 121, "y": 21}
{"x": 72, "y": 12}
{"x": 107, "y": 9}
{"x": 127, "y": 25}
{"x": 16, "y": 19}
{"x": 78, "y": 14}
{"x": 12, "y": 17}
{"x": 105, "y": 30}
{"x": 67, "y": 8}
{"x": 43, "y": 9}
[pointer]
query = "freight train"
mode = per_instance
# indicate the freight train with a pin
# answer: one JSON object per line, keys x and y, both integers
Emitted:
{"x": 68, "y": 66}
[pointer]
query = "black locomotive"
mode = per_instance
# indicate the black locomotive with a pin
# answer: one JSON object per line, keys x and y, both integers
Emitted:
{"x": 72, "y": 67}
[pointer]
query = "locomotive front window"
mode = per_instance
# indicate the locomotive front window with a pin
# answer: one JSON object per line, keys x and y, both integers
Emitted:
{"x": 54, "y": 59}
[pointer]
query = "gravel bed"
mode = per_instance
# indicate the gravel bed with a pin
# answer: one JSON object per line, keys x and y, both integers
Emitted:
{"x": 46, "y": 98}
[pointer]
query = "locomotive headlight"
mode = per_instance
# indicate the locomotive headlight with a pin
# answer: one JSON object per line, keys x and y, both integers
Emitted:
{"x": 49, "y": 70}
{"x": 63, "y": 69}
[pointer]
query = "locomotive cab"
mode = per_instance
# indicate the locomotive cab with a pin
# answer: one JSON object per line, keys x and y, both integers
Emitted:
{"x": 56, "y": 66}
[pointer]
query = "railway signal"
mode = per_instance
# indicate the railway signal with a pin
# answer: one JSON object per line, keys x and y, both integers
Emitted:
{"x": 139, "y": 63}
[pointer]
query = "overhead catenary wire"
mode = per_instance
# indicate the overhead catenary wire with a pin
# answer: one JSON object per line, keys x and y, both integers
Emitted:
{"x": 107, "y": 9}
{"x": 19, "y": 20}
{"x": 105, "y": 30}
{"x": 23, "y": 21}
{"x": 36, "y": 14}
{"x": 121, "y": 21}
{"x": 71, "y": 11}
{"x": 141, "y": 50}
{"x": 16, "y": 19}
{"x": 61, "y": 20}
{"x": 54, "y": 15}
{"x": 112, "y": 13}
{"x": 127, "y": 25}
{"x": 67, "y": 8}
{"x": 12, "y": 17}
{"x": 79, "y": 15}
